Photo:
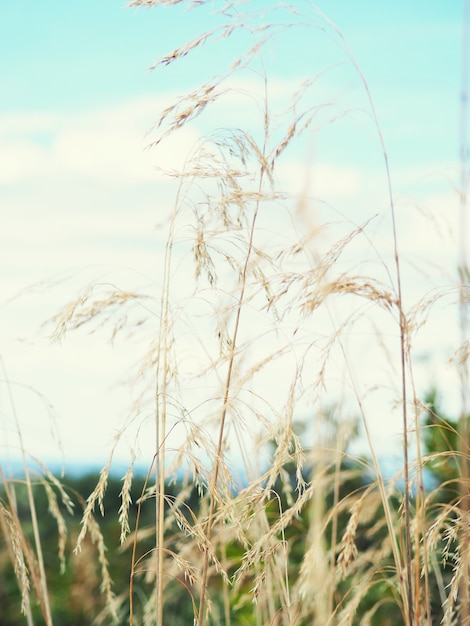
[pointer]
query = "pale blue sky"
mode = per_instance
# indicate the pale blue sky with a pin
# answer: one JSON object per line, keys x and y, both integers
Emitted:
{"x": 78, "y": 190}
{"x": 79, "y": 56}
{"x": 83, "y": 54}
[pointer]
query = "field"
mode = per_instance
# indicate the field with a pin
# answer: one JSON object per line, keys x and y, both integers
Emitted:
{"x": 279, "y": 328}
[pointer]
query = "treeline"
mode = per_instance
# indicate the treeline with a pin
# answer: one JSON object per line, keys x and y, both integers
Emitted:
{"x": 75, "y": 581}
{"x": 341, "y": 524}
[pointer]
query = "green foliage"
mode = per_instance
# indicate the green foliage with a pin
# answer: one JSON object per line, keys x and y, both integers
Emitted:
{"x": 441, "y": 439}
{"x": 342, "y": 489}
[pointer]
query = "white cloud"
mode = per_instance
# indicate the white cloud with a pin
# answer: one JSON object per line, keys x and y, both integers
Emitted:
{"x": 20, "y": 160}
{"x": 27, "y": 123}
{"x": 81, "y": 164}
{"x": 105, "y": 145}
{"x": 106, "y": 155}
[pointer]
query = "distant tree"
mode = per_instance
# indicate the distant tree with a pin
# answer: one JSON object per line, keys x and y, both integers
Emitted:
{"x": 441, "y": 441}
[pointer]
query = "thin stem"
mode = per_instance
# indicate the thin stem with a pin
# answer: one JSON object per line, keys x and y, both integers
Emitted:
{"x": 43, "y": 594}
{"x": 161, "y": 383}
{"x": 402, "y": 324}
{"x": 382, "y": 490}
{"x": 463, "y": 317}
{"x": 134, "y": 546}
{"x": 223, "y": 418}
{"x": 228, "y": 381}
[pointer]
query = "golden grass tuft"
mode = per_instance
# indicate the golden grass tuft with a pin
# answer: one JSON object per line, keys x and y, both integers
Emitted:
{"x": 262, "y": 316}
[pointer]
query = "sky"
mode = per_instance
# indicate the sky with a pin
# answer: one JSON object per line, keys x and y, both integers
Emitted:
{"x": 82, "y": 199}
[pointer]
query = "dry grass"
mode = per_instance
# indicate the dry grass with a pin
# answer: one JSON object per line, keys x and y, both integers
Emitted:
{"x": 256, "y": 320}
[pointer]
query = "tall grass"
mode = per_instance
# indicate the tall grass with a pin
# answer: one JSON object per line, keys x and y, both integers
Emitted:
{"x": 258, "y": 321}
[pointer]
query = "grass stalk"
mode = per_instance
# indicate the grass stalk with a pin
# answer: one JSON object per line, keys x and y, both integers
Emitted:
{"x": 231, "y": 360}
{"x": 161, "y": 392}
{"x": 402, "y": 333}
{"x": 39, "y": 573}
{"x": 401, "y": 568}
{"x": 464, "y": 282}
{"x": 223, "y": 417}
